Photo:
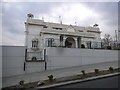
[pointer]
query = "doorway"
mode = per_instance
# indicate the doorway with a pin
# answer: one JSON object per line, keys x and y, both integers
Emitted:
{"x": 70, "y": 43}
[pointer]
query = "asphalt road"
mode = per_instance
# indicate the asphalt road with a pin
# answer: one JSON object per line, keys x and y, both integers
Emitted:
{"x": 109, "y": 82}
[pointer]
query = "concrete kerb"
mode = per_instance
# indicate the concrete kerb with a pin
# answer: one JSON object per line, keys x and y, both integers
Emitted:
{"x": 77, "y": 81}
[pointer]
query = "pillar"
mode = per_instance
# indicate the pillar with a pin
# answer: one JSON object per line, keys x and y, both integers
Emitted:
{"x": 76, "y": 42}
{"x": 64, "y": 39}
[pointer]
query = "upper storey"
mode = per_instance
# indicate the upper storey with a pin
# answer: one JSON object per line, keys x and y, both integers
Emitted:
{"x": 63, "y": 27}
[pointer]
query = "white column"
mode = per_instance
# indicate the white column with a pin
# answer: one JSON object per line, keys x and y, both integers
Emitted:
{"x": 64, "y": 39}
{"x": 76, "y": 42}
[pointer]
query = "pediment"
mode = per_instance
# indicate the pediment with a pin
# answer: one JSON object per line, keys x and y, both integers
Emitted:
{"x": 70, "y": 29}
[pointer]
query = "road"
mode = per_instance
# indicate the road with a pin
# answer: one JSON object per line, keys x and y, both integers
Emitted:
{"x": 109, "y": 82}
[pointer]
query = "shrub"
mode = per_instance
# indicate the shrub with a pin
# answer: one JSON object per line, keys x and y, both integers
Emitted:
{"x": 83, "y": 72}
{"x": 50, "y": 77}
{"x": 111, "y": 68}
{"x": 82, "y": 46}
{"x": 109, "y": 47}
{"x": 21, "y": 82}
{"x": 96, "y": 70}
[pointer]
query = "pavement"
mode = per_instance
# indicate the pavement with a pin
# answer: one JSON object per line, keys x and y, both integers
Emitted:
{"x": 63, "y": 72}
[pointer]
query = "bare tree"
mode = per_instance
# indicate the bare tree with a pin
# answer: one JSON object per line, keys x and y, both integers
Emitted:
{"x": 107, "y": 39}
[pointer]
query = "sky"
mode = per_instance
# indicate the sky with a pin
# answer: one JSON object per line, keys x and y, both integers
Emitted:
{"x": 14, "y": 14}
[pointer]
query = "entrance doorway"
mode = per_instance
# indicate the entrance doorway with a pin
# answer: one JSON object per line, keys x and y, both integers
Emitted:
{"x": 70, "y": 42}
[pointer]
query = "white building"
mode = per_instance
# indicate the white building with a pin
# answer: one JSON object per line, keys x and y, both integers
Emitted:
{"x": 40, "y": 34}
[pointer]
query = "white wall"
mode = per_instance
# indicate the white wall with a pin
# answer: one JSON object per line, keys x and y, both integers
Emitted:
{"x": 0, "y": 67}
{"x": 13, "y": 58}
{"x": 68, "y": 57}
{"x": 34, "y": 67}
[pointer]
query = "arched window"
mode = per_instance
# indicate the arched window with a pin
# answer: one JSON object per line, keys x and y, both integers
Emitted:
{"x": 34, "y": 43}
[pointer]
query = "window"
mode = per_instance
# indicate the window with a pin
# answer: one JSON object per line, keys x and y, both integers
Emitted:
{"x": 56, "y": 28}
{"x": 35, "y": 43}
{"x": 80, "y": 30}
{"x": 61, "y": 40}
{"x": 45, "y": 27}
{"x": 50, "y": 42}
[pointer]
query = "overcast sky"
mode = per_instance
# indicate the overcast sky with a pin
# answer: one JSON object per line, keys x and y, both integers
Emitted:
{"x": 105, "y": 14}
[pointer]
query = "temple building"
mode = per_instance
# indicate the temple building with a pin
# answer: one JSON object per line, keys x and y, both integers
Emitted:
{"x": 40, "y": 34}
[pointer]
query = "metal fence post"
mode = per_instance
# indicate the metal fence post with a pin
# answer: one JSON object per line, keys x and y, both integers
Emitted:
{"x": 25, "y": 54}
{"x": 24, "y": 68}
{"x": 45, "y": 59}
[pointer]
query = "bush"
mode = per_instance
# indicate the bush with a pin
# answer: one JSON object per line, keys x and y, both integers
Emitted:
{"x": 83, "y": 72}
{"x": 50, "y": 77}
{"x": 21, "y": 82}
{"x": 109, "y": 47}
{"x": 96, "y": 70}
{"x": 82, "y": 46}
{"x": 111, "y": 68}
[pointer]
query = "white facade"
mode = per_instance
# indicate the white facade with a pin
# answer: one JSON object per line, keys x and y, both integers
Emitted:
{"x": 40, "y": 34}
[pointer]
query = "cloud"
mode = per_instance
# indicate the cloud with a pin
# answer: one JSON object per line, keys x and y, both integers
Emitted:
{"x": 108, "y": 11}
{"x": 13, "y": 18}
{"x": 85, "y": 14}
{"x": 60, "y": 0}
{"x": 13, "y": 26}
{"x": 70, "y": 12}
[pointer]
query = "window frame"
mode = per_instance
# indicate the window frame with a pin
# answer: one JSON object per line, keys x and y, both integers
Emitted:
{"x": 35, "y": 43}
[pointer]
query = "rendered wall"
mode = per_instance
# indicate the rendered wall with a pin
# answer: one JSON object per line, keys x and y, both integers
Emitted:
{"x": 13, "y": 58}
{"x": 0, "y": 67}
{"x": 34, "y": 67}
{"x": 68, "y": 57}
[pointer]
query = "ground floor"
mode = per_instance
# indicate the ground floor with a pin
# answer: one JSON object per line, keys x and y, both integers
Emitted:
{"x": 66, "y": 41}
